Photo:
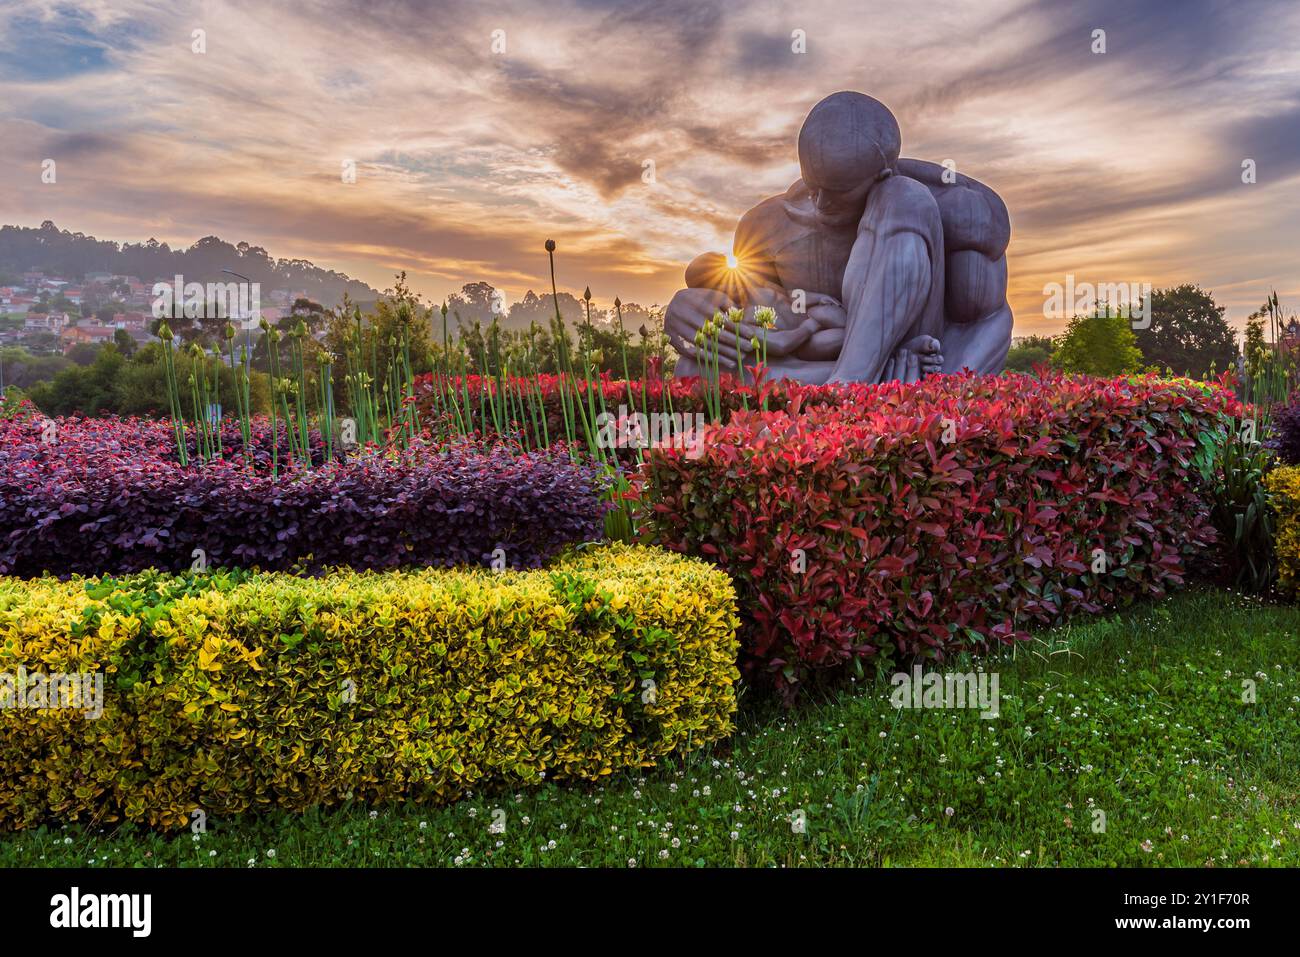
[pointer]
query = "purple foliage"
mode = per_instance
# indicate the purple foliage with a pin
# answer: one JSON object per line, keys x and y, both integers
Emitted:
{"x": 107, "y": 496}
{"x": 1284, "y": 433}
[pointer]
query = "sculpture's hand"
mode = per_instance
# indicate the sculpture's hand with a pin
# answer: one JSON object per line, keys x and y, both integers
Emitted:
{"x": 779, "y": 300}
{"x": 914, "y": 360}
{"x": 687, "y": 313}
{"x": 780, "y": 342}
{"x": 827, "y": 311}
{"x": 765, "y": 295}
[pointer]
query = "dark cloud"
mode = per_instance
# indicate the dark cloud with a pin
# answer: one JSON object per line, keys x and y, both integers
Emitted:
{"x": 1149, "y": 46}
{"x": 1272, "y": 140}
{"x": 81, "y": 146}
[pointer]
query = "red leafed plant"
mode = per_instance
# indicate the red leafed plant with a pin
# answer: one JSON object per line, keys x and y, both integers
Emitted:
{"x": 896, "y": 522}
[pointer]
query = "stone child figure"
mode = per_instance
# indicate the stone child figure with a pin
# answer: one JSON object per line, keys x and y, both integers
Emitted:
{"x": 876, "y": 267}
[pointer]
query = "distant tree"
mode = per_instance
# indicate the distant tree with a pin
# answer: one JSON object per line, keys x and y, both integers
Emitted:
{"x": 541, "y": 309}
{"x": 125, "y": 344}
{"x": 476, "y": 302}
{"x": 1029, "y": 352}
{"x": 1101, "y": 345}
{"x": 311, "y": 313}
{"x": 141, "y": 386}
{"x": 401, "y": 313}
{"x": 1188, "y": 333}
{"x": 87, "y": 390}
{"x": 63, "y": 253}
{"x": 24, "y": 370}
{"x": 43, "y": 344}
{"x": 83, "y": 353}
{"x": 398, "y": 315}
{"x": 635, "y": 316}
{"x": 200, "y": 323}
{"x": 1256, "y": 347}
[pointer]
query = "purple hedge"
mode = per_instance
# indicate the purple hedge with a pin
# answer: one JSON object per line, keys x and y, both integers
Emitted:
{"x": 107, "y": 496}
{"x": 1284, "y": 439}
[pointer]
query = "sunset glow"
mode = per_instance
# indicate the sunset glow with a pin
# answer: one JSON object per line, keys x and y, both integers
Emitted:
{"x": 1125, "y": 166}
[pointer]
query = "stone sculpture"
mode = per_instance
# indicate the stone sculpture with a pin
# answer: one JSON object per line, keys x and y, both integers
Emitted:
{"x": 877, "y": 267}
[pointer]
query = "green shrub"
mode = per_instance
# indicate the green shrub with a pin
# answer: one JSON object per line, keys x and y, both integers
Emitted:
{"x": 232, "y": 692}
{"x": 1284, "y": 486}
{"x": 1233, "y": 467}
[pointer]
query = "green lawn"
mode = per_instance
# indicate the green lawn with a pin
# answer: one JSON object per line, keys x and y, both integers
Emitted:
{"x": 1139, "y": 715}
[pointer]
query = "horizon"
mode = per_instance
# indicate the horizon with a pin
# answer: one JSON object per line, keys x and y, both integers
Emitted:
{"x": 1122, "y": 166}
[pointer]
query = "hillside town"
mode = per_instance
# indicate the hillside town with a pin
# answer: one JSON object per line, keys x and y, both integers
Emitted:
{"x": 49, "y": 314}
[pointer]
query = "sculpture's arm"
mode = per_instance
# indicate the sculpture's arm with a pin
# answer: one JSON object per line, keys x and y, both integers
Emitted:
{"x": 974, "y": 216}
{"x": 824, "y": 346}
{"x": 976, "y": 233}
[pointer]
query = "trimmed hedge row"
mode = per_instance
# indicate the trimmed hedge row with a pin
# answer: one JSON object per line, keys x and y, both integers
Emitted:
{"x": 239, "y": 691}
{"x": 107, "y": 496}
{"x": 942, "y": 516}
{"x": 1284, "y": 431}
{"x": 1283, "y": 485}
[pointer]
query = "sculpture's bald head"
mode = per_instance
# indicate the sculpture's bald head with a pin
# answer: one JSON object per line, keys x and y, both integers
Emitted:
{"x": 848, "y": 142}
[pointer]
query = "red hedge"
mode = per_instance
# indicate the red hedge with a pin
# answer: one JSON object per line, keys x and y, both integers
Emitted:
{"x": 917, "y": 547}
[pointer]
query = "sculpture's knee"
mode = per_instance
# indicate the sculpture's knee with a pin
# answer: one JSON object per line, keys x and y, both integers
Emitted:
{"x": 975, "y": 218}
{"x": 974, "y": 286}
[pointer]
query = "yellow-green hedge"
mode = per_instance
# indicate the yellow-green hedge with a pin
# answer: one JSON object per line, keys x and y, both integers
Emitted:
{"x": 1284, "y": 486}
{"x": 230, "y": 692}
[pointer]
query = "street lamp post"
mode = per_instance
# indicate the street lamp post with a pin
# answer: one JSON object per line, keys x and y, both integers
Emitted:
{"x": 248, "y": 330}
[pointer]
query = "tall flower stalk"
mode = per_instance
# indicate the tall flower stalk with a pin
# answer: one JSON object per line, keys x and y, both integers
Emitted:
{"x": 173, "y": 393}
{"x": 765, "y": 319}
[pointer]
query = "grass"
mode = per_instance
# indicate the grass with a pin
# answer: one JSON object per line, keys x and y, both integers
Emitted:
{"x": 1139, "y": 716}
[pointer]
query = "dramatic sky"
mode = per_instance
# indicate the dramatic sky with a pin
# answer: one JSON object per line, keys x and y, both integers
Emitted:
{"x": 1119, "y": 166}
